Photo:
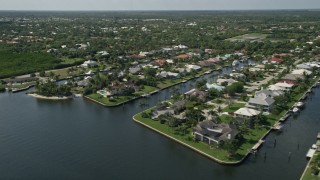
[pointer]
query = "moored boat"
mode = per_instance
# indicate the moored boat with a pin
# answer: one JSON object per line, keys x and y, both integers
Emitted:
{"x": 295, "y": 109}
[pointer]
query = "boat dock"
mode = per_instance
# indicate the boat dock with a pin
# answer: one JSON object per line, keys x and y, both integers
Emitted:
{"x": 310, "y": 153}
{"x": 318, "y": 136}
{"x": 284, "y": 118}
{"x": 277, "y": 126}
{"x": 256, "y": 146}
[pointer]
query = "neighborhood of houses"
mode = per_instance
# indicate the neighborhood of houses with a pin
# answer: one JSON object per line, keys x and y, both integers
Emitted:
{"x": 259, "y": 101}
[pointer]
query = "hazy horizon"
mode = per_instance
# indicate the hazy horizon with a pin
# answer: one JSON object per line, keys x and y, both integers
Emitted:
{"x": 157, "y": 5}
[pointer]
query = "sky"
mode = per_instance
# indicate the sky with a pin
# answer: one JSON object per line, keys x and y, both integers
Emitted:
{"x": 157, "y": 4}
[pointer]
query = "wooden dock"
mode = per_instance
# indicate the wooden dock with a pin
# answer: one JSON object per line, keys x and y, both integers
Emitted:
{"x": 256, "y": 146}
{"x": 284, "y": 118}
{"x": 277, "y": 126}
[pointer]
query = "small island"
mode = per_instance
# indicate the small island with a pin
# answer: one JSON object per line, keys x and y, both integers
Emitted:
{"x": 52, "y": 91}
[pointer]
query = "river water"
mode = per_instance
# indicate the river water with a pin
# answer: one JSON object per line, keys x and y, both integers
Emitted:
{"x": 78, "y": 139}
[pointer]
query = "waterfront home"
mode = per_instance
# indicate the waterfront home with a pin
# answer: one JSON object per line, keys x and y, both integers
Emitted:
{"x": 179, "y": 106}
{"x": 264, "y": 93}
{"x": 193, "y": 67}
{"x": 209, "y": 132}
{"x": 161, "y": 109}
{"x": 292, "y": 78}
{"x": 261, "y": 103}
{"x": 281, "y": 86}
{"x": 89, "y": 63}
{"x": 201, "y": 95}
{"x": 301, "y": 72}
{"x": 215, "y": 86}
{"x": 303, "y": 66}
{"x": 165, "y": 74}
{"x": 206, "y": 64}
{"x": 246, "y": 113}
{"x": 226, "y": 82}
{"x": 157, "y": 113}
{"x": 238, "y": 75}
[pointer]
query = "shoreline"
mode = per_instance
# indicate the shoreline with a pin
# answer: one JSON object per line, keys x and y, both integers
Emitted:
{"x": 184, "y": 80}
{"x": 48, "y": 98}
{"x": 189, "y": 146}
{"x": 211, "y": 157}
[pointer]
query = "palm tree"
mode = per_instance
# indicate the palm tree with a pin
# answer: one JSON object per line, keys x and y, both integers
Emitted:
{"x": 219, "y": 110}
{"x": 213, "y": 114}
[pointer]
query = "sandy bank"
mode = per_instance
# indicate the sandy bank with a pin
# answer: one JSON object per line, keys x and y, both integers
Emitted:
{"x": 49, "y": 98}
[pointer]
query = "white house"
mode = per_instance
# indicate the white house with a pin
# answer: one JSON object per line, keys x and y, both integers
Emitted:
{"x": 260, "y": 102}
{"x": 228, "y": 81}
{"x": 89, "y": 63}
{"x": 246, "y": 112}
{"x": 301, "y": 72}
{"x": 193, "y": 67}
{"x": 281, "y": 86}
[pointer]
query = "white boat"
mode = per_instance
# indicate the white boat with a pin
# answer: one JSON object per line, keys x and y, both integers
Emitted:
{"x": 314, "y": 146}
{"x": 299, "y": 104}
{"x": 310, "y": 153}
{"x": 295, "y": 110}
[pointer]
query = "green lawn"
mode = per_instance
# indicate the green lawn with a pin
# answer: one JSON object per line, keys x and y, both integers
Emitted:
{"x": 308, "y": 174}
{"x": 2, "y": 87}
{"x": 234, "y": 107}
{"x": 146, "y": 89}
{"x": 252, "y": 136}
{"x": 73, "y": 61}
{"x": 169, "y": 82}
{"x": 111, "y": 102}
{"x": 212, "y": 151}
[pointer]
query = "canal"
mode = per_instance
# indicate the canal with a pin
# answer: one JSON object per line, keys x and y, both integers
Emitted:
{"x": 79, "y": 139}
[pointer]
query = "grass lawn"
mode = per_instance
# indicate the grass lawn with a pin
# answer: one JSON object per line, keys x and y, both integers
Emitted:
{"x": 234, "y": 107}
{"x": 252, "y": 136}
{"x": 111, "y": 102}
{"x": 73, "y": 61}
{"x": 225, "y": 118}
{"x": 212, "y": 151}
{"x": 2, "y": 87}
{"x": 146, "y": 89}
{"x": 169, "y": 82}
{"x": 308, "y": 174}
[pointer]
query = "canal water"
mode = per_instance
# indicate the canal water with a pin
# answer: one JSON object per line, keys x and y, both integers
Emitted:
{"x": 78, "y": 139}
